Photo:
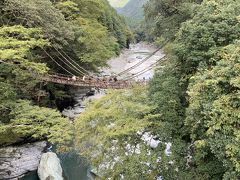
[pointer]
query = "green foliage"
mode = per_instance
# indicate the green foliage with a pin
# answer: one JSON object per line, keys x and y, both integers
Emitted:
{"x": 109, "y": 129}
{"x": 19, "y": 120}
{"x": 197, "y": 92}
{"x": 116, "y": 25}
{"x": 15, "y": 43}
{"x": 133, "y": 9}
{"x": 69, "y": 9}
{"x": 90, "y": 32}
{"x": 102, "y": 12}
{"x": 37, "y": 13}
{"x": 18, "y": 63}
{"x": 165, "y": 92}
{"x": 8, "y": 95}
{"x": 30, "y": 122}
{"x": 99, "y": 32}
{"x": 164, "y": 17}
{"x": 214, "y": 26}
{"x": 213, "y": 114}
{"x": 96, "y": 46}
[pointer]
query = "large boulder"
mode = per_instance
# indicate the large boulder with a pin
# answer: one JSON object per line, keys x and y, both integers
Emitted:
{"x": 50, "y": 167}
{"x": 16, "y": 161}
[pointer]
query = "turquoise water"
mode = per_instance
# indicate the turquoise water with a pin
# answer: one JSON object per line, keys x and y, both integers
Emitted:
{"x": 74, "y": 167}
{"x": 31, "y": 176}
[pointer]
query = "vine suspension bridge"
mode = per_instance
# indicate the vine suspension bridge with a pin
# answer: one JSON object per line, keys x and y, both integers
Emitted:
{"x": 86, "y": 80}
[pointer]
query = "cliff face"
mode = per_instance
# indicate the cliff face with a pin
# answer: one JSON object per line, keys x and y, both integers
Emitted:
{"x": 15, "y": 161}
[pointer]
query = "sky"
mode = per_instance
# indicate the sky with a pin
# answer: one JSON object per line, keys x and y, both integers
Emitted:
{"x": 118, "y": 3}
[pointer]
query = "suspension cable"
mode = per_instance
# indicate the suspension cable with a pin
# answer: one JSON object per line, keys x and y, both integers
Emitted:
{"x": 74, "y": 67}
{"x": 70, "y": 67}
{"x": 139, "y": 63}
{"x": 68, "y": 60}
{"x": 59, "y": 64}
{"x": 87, "y": 72}
{"x": 140, "y": 72}
{"x": 56, "y": 62}
{"x": 145, "y": 69}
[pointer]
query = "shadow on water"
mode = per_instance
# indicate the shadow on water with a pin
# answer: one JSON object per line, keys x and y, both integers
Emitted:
{"x": 74, "y": 166}
{"x": 31, "y": 176}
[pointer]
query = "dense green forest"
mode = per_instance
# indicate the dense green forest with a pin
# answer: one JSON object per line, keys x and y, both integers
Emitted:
{"x": 193, "y": 101}
{"x": 190, "y": 109}
{"x": 133, "y": 12}
{"x": 200, "y": 86}
{"x": 35, "y": 37}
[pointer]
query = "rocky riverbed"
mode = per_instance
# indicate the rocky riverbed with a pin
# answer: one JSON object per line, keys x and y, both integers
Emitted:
{"x": 129, "y": 57}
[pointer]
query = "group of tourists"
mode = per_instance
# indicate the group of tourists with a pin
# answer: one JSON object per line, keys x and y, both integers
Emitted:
{"x": 98, "y": 81}
{"x": 98, "y": 78}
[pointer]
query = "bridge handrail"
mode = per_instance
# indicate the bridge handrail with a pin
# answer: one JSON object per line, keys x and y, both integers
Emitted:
{"x": 91, "y": 82}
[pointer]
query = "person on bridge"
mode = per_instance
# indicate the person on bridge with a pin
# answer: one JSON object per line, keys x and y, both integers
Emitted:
{"x": 84, "y": 77}
{"x": 74, "y": 78}
{"x": 115, "y": 79}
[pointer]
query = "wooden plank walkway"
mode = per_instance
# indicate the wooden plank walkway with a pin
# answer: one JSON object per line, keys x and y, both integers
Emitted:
{"x": 93, "y": 82}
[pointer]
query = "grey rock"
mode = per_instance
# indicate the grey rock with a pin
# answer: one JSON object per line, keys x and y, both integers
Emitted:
{"x": 50, "y": 167}
{"x": 16, "y": 161}
{"x": 78, "y": 110}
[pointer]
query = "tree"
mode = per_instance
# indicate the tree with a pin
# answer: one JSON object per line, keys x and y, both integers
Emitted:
{"x": 201, "y": 81}
{"x": 20, "y": 120}
{"x": 66, "y": 24}
{"x": 163, "y": 18}
{"x": 30, "y": 123}
{"x": 214, "y": 26}
{"x": 109, "y": 134}
{"x": 38, "y": 14}
{"x": 18, "y": 64}
{"x": 213, "y": 114}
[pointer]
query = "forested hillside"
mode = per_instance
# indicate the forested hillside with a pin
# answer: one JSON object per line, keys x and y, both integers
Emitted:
{"x": 197, "y": 92}
{"x": 133, "y": 9}
{"x": 38, "y": 37}
{"x": 192, "y": 105}
{"x": 133, "y": 12}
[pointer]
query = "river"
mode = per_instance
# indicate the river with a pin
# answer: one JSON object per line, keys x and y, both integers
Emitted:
{"x": 74, "y": 166}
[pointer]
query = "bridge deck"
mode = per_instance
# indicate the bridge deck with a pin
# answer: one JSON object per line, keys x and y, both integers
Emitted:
{"x": 120, "y": 84}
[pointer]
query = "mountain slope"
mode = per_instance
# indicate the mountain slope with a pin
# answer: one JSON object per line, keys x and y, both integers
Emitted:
{"x": 133, "y": 9}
